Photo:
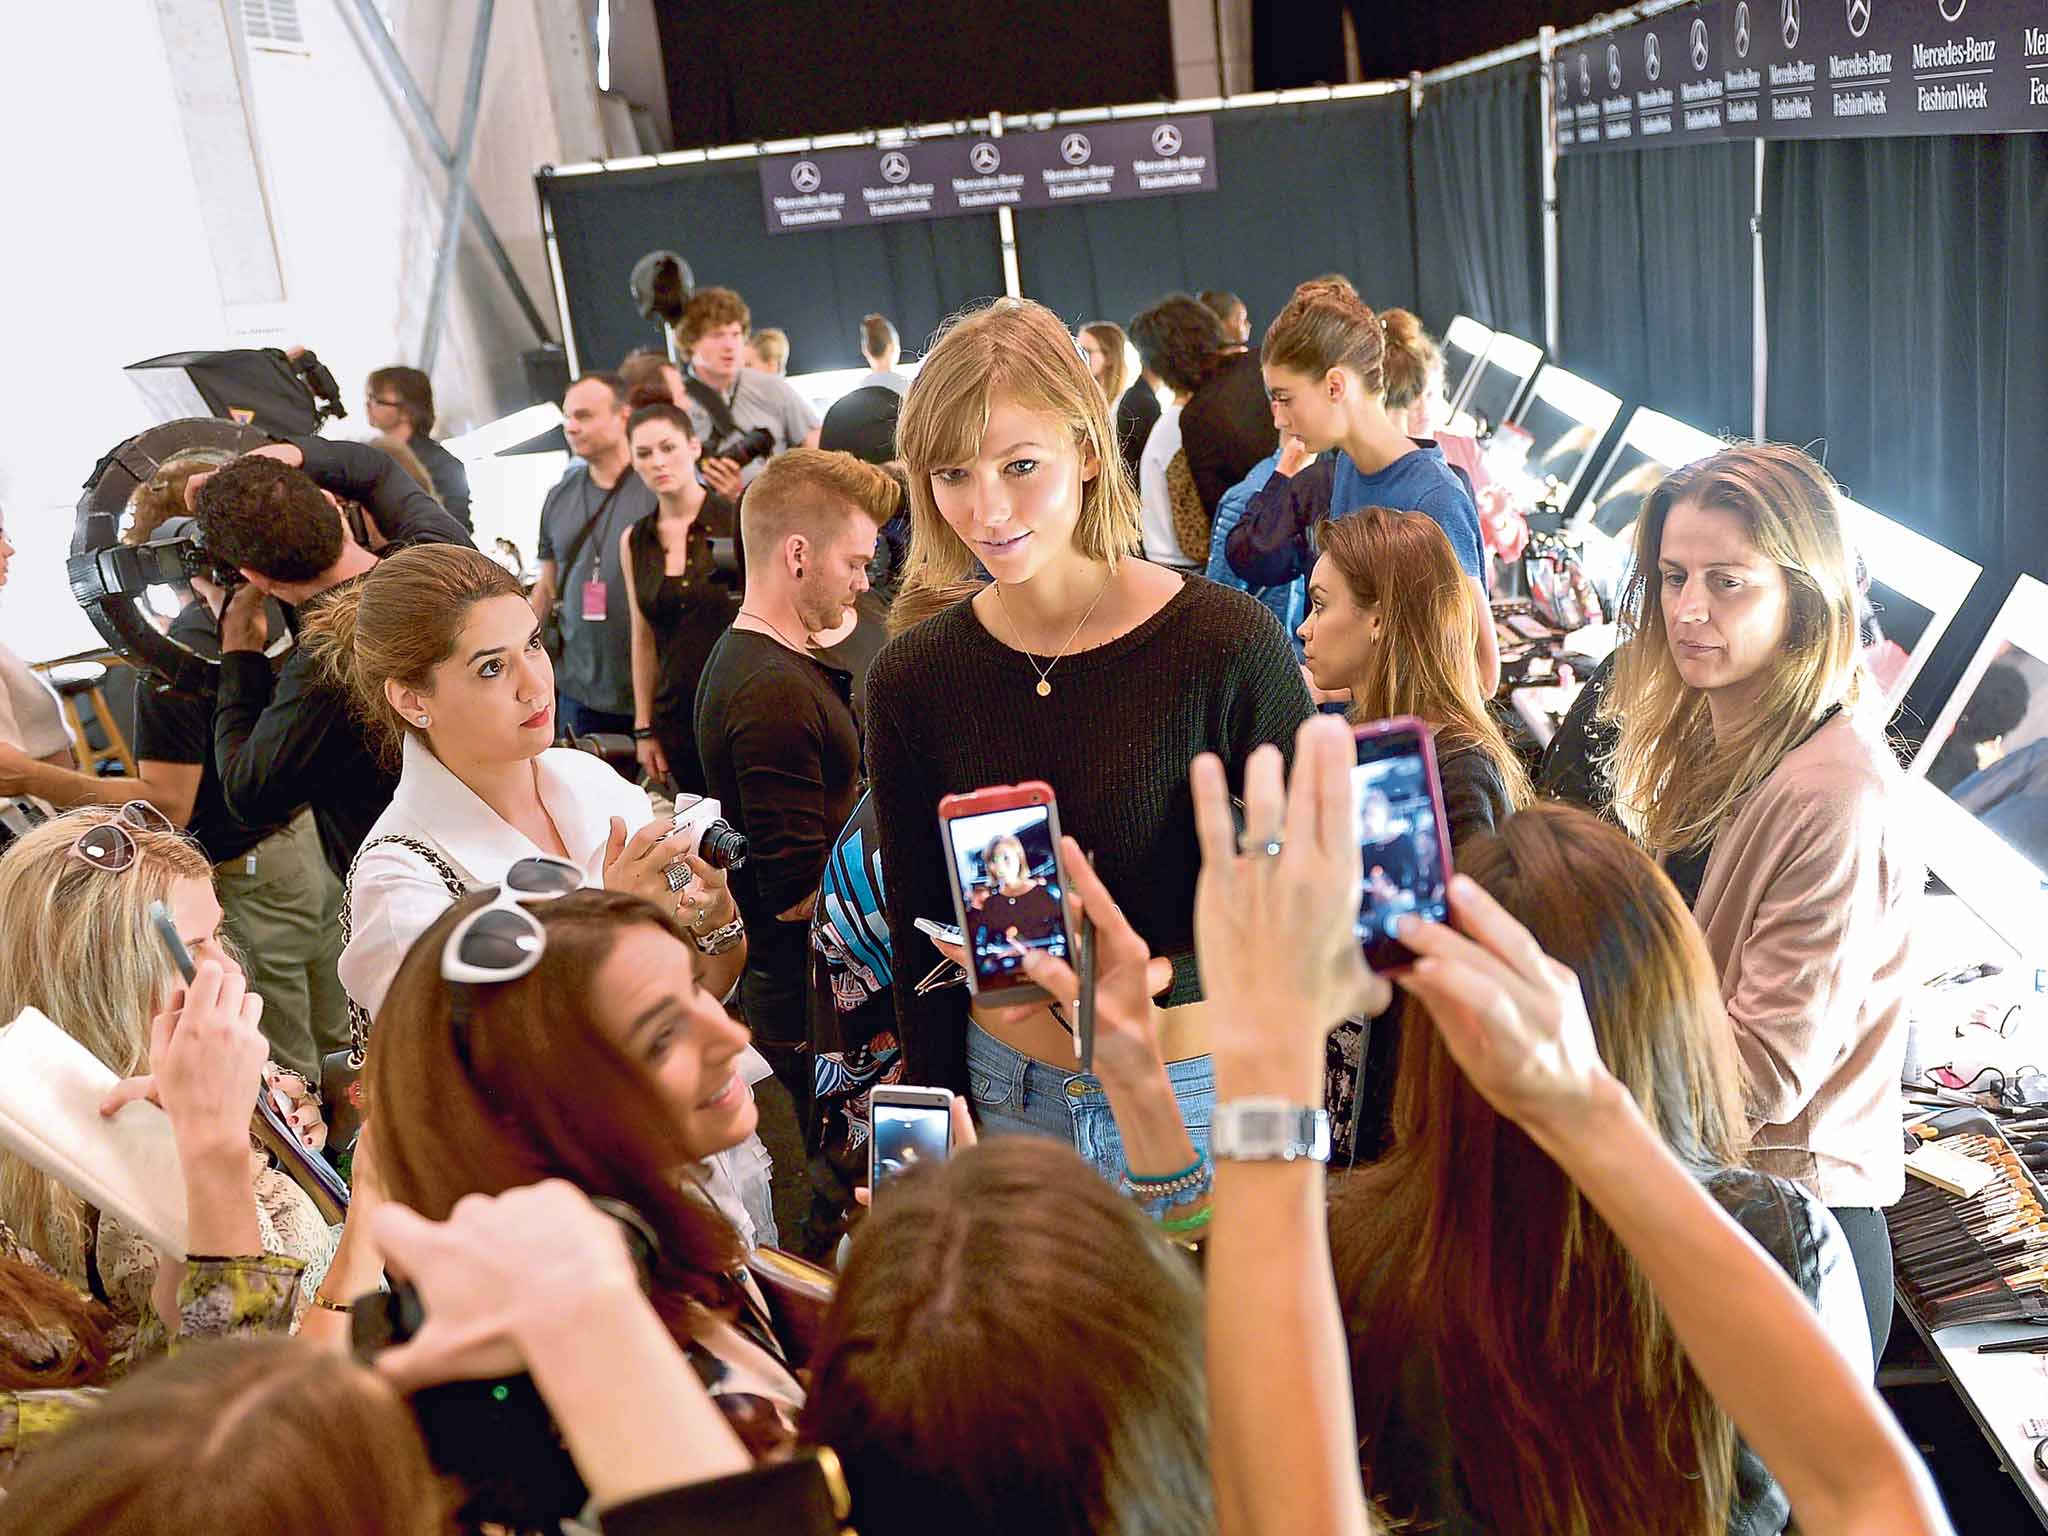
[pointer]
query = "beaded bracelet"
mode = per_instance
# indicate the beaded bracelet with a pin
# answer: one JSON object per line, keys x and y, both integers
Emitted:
{"x": 1174, "y": 1189}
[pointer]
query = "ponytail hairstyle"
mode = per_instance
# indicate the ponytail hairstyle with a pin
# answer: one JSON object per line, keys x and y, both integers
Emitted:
{"x": 1327, "y": 325}
{"x": 1018, "y": 351}
{"x": 1410, "y": 356}
{"x": 1425, "y": 662}
{"x": 878, "y": 337}
{"x": 1675, "y": 778}
{"x": 397, "y": 624}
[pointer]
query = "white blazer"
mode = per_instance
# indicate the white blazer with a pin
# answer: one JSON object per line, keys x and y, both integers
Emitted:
{"x": 396, "y": 896}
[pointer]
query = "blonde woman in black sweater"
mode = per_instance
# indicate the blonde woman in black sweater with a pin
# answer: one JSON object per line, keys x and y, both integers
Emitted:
{"x": 1079, "y": 664}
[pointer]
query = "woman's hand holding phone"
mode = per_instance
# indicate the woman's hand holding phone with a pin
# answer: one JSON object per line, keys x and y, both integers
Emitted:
{"x": 206, "y": 1060}
{"x": 1512, "y": 1018}
{"x": 1127, "y": 976}
{"x": 1275, "y": 931}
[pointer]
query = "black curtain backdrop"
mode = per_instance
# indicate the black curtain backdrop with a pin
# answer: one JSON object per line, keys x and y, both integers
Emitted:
{"x": 1909, "y": 342}
{"x": 1479, "y": 201}
{"x": 739, "y": 71}
{"x": 1655, "y": 279}
{"x": 1301, "y": 191}
{"x": 814, "y": 285}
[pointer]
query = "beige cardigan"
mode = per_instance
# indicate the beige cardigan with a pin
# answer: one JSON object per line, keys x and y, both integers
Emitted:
{"x": 1807, "y": 906}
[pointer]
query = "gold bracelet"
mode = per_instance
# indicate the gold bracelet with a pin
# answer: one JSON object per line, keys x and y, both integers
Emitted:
{"x": 332, "y": 1306}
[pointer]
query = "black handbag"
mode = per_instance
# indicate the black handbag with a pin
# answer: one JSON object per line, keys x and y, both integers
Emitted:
{"x": 341, "y": 1072}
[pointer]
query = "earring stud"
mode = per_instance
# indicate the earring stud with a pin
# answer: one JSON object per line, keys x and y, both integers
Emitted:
{"x": 423, "y": 720}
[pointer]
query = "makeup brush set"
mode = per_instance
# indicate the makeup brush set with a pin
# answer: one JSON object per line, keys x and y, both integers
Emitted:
{"x": 1970, "y": 1235}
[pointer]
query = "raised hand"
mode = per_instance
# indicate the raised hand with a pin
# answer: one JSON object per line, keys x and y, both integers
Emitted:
{"x": 1512, "y": 1018}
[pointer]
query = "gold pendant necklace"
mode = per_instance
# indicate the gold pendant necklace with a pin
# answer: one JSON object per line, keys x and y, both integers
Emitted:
{"x": 1044, "y": 689}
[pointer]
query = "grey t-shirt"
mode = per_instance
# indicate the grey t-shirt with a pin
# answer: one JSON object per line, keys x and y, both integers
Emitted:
{"x": 597, "y": 656}
{"x": 760, "y": 400}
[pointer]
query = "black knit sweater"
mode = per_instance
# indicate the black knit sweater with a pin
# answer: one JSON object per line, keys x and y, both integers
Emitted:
{"x": 950, "y": 708}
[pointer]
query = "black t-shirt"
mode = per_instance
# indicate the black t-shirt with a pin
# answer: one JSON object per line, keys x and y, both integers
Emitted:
{"x": 1031, "y": 914}
{"x": 781, "y": 753}
{"x": 178, "y": 728}
{"x": 687, "y": 614}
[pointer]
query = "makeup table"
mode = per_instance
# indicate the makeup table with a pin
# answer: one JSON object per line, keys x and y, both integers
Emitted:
{"x": 2001, "y": 1391}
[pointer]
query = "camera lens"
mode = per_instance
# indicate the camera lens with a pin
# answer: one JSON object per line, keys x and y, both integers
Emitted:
{"x": 723, "y": 847}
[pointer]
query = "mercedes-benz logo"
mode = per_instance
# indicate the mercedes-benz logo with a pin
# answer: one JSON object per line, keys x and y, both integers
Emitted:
{"x": 1699, "y": 45}
{"x": 985, "y": 157}
{"x": 1653, "y": 56}
{"x": 1859, "y": 17}
{"x": 1788, "y": 21}
{"x": 1957, "y": 13}
{"x": 1585, "y": 77}
{"x": 1613, "y": 67}
{"x": 895, "y": 166}
{"x": 1742, "y": 30}
{"x": 1075, "y": 149}
{"x": 1166, "y": 140}
{"x": 805, "y": 176}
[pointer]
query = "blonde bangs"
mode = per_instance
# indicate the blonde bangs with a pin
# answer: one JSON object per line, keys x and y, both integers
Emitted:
{"x": 1019, "y": 352}
{"x": 1675, "y": 780}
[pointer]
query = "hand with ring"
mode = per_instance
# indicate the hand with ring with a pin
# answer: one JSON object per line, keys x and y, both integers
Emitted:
{"x": 705, "y": 900}
{"x": 1275, "y": 916}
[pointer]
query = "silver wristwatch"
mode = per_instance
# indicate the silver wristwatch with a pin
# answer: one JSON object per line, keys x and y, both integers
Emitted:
{"x": 716, "y": 941}
{"x": 1269, "y": 1131}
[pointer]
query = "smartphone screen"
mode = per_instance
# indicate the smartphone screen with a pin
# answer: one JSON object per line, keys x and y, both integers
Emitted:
{"x": 1010, "y": 894}
{"x": 906, "y": 1136}
{"x": 1395, "y": 800}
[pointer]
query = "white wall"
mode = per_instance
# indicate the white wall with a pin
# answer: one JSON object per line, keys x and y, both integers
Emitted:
{"x": 106, "y": 257}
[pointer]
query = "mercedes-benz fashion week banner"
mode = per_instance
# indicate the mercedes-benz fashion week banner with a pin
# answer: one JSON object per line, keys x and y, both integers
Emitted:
{"x": 941, "y": 178}
{"x": 1799, "y": 69}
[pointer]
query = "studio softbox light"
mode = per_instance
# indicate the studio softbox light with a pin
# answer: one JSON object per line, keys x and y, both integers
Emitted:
{"x": 255, "y": 387}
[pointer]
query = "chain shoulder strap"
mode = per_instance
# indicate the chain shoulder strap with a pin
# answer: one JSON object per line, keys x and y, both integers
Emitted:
{"x": 358, "y": 1020}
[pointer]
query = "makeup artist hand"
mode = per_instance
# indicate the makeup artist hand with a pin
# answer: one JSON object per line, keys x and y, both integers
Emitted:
{"x": 1513, "y": 1018}
{"x": 1274, "y": 931}
{"x": 1127, "y": 976}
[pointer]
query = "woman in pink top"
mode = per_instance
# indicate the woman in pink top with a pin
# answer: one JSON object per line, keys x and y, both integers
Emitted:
{"x": 1751, "y": 749}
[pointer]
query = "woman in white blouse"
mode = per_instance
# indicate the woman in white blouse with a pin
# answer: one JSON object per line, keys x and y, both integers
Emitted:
{"x": 441, "y": 654}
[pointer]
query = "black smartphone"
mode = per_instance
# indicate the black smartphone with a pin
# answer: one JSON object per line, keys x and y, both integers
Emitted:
{"x": 1404, "y": 838}
{"x": 908, "y": 1127}
{"x": 305, "y": 1167}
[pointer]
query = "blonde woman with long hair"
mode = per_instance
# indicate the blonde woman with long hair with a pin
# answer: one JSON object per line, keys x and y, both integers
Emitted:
{"x": 1079, "y": 664}
{"x": 1750, "y": 749}
{"x": 75, "y": 895}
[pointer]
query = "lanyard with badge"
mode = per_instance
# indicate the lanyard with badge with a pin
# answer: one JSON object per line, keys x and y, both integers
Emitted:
{"x": 593, "y": 589}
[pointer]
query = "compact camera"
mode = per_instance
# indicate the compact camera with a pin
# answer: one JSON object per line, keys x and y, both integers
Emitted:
{"x": 708, "y": 835}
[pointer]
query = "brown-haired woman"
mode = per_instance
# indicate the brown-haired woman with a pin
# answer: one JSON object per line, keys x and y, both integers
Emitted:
{"x": 1102, "y": 345}
{"x": 1413, "y": 371}
{"x": 1079, "y": 664}
{"x": 1391, "y": 622}
{"x": 1751, "y": 758}
{"x": 608, "y": 1064}
{"x": 682, "y": 596}
{"x": 1325, "y": 364}
{"x": 245, "y": 1436}
{"x": 1013, "y": 1349}
{"x": 1487, "y": 1302}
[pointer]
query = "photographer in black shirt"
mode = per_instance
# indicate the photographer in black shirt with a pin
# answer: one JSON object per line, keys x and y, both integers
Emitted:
{"x": 280, "y": 899}
{"x": 282, "y": 743}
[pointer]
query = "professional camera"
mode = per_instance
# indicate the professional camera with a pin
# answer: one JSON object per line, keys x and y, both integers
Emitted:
{"x": 495, "y": 1439}
{"x": 108, "y": 577}
{"x": 707, "y": 833}
{"x": 741, "y": 448}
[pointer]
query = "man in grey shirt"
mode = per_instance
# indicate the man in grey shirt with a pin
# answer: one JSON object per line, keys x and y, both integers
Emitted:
{"x": 581, "y": 523}
{"x": 712, "y": 336}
